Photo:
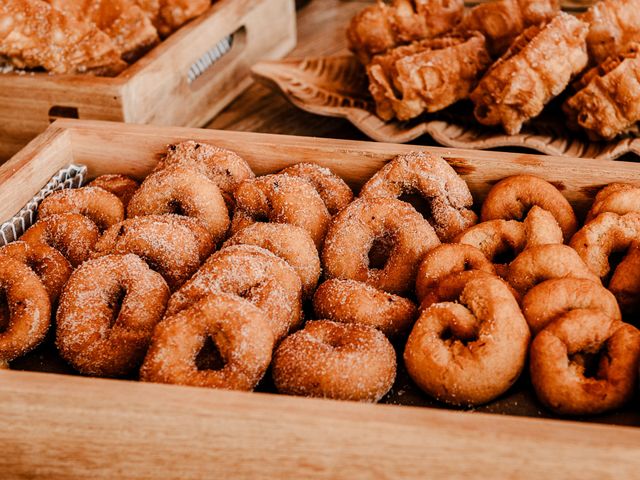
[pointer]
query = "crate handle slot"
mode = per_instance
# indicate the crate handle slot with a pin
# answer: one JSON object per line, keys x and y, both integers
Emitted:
{"x": 60, "y": 111}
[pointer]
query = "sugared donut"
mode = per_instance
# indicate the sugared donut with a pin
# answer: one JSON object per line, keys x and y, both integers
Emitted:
{"x": 617, "y": 198}
{"x": 348, "y": 301}
{"x": 121, "y": 186}
{"x": 470, "y": 348}
{"x": 102, "y": 207}
{"x": 436, "y": 181}
{"x": 165, "y": 244}
{"x": 513, "y": 197}
{"x": 585, "y": 363}
{"x": 252, "y": 273}
{"x": 223, "y": 167}
{"x": 550, "y": 300}
{"x": 292, "y": 244}
{"x": 335, "y": 193}
{"x": 335, "y": 360}
{"x": 446, "y": 259}
{"x": 72, "y": 234}
{"x": 25, "y": 310}
{"x": 281, "y": 199}
{"x": 184, "y": 192}
{"x": 47, "y": 262}
{"x": 544, "y": 262}
{"x": 222, "y": 341}
{"x": 403, "y": 233}
{"x": 107, "y": 314}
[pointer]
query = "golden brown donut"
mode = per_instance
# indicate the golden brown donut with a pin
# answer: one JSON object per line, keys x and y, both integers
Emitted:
{"x": 625, "y": 281}
{"x": 121, "y": 186}
{"x": 165, "y": 244}
{"x": 102, "y": 207}
{"x": 25, "y": 310}
{"x": 545, "y": 262}
{"x": 291, "y": 243}
{"x": 184, "y": 192}
{"x": 403, "y": 234}
{"x": 585, "y": 363}
{"x": 72, "y": 234}
{"x": 620, "y": 198}
{"x": 471, "y": 347}
{"x": 335, "y": 360}
{"x": 513, "y": 197}
{"x": 48, "y": 263}
{"x": 446, "y": 259}
{"x": 348, "y": 301}
{"x": 550, "y": 300}
{"x": 335, "y": 193}
{"x": 253, "y": 273}
{"x": 281, "y": 198}
{"x": 107, "y": 313}
{"x": 430, "y": 176}
{"x": 222, "y": 341}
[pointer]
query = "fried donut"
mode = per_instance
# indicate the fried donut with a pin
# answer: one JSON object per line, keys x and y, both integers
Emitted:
{"x": 550, "y": 300}
{"x": 291, "y": 243}
{"x": 446, "y": 193}
{"x": 281, "y": 199}
{"x": 545, "y": 262}
{"x": 185, "y": 192}
{"x": 335, "y": 193}
{"x": 165, "y": 244}
{"x": 72, "y": 234}
{"x": 585, "y": 363}
{"x": 348, "y": 301}
{"x": 252, "y": 273}
{"x": 121, "y": 186}
{"x": 335, "y": 360}
{"x": 450, "y": 285}
{"x": 107, "y": 314}
{"x": 25, "y": 310}
{"x": 403, "y": 234}
{"x": 48, "y": 263}
{"x": 537, "y": 67}
{"x": 222, "y": 341}
{"x": 513, "y": 197}
{"x": 625, "y": 282}
{"x": 102, "y": 207}
{"x": 620, "y": 198}
{"x": 445, "y": 260}
{"x": 470, "y": 348}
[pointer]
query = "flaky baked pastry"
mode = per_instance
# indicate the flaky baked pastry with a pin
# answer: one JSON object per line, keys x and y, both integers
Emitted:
{"x": 426, "y": 76}
{"x": 382, "y": 26}
{"x": 169, "y": 15}
{"x": 33, "y": 35}
{"x": 502, "y": 21}
{"x": 535, "y": 69}
{"x": 608, "y": 105}
{"x": 613, "y": 24}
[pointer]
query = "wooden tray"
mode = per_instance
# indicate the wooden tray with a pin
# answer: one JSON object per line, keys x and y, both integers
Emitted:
{"x": 157, "y": 89}
{"x": 55, "y": 425}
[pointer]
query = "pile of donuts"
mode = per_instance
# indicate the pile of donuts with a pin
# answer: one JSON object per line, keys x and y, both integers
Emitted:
{"x": 206, "y": 275}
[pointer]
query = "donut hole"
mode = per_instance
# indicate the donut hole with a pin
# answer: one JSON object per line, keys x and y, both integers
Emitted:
{"x": 175, "y": 206}
{"x": 417, "y": 201}
{"x": 260, "y": 217}
{"x": 587, "y": 363}
{"x": 450, "y": 336}
{"x": 209, "y": 356}
{"x": 114, "y": 304}
{"x": 380, "y": 251}
{"x": 504, "y": 255}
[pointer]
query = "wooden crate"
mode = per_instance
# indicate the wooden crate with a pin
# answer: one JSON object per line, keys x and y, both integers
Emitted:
{"x": 64, "y": 426}
{"x": 156, "y": 89}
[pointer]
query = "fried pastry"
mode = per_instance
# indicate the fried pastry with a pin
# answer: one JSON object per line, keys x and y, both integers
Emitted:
{"x": 382, "y": 26}
{"x": 535, "y": 69}
{"x": 613, "y": 25}
{"x": 34, "y": 35}
{"x": 426, "y": 76}
{"x": 607, "y": 104}
{"x": 503, "y": 20}
{"x": 169, "y": 15}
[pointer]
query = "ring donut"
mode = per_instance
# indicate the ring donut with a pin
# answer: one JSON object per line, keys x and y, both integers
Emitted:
{"x": 430, "y": 176}
{"x": 585, "y": 363}
{"x": 335, "y": 360}
{"x": 620, "y": 198}
{"x": 348, "y": 301}
{"x": 471, "y": 347}
{"x": 403, "y": 233}
{"x": 121, "y": 186}
{"x": 513, "y": 197}
{"x": 241, "y": 345}
{"x": 107, "y": 314}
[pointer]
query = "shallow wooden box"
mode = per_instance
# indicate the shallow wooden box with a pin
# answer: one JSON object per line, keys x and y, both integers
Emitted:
{"x": 157, "y": 88}
{"x": 67, "y": 426}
